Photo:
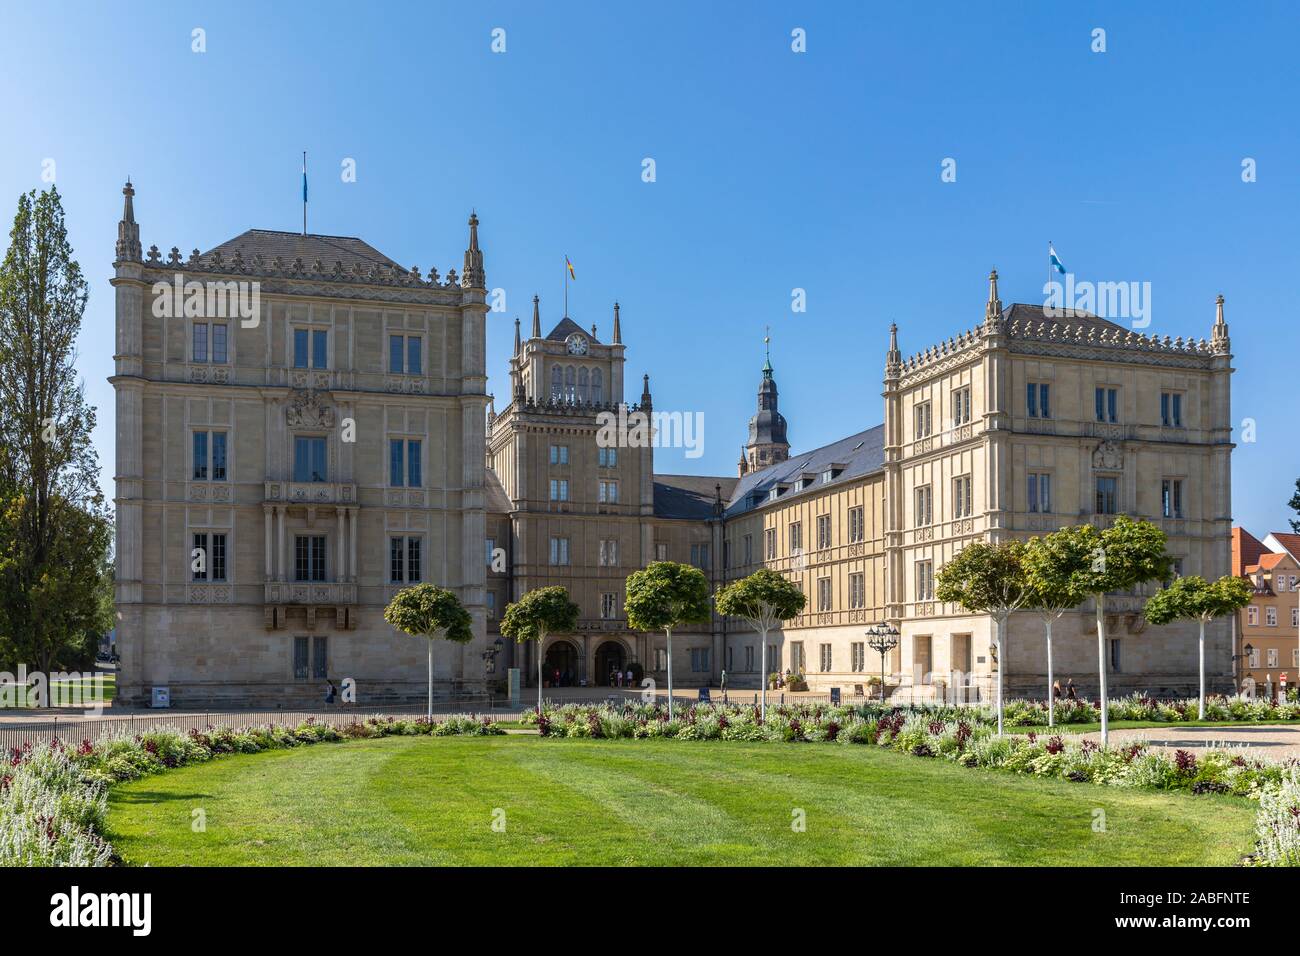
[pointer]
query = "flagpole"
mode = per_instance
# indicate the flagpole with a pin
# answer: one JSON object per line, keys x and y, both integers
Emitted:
{"x": 566, "y": 287}
{"x": 304, "y": 192}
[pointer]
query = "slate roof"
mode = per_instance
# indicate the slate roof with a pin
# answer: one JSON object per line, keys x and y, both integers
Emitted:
{"x": 566, "y": 327}
{"x": 689, "y": 496}
{"x": 1022, "y": 313}
{"x": 860, "y": 454}
{"x": 497, "y": 501}
{"x": 270, "y": 243}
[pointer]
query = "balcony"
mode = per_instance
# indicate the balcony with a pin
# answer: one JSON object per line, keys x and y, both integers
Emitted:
{"x": 324, "y": 593}
{"x": 312, "y": 492}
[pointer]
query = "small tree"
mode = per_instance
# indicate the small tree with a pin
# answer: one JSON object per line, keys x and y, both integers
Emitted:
{"x": 1194, "y": 597}
{"x": 1126, "y": 555}
{"x": 665, "y": 595}
{"x": 431, "y": 612}
{"x": 1052, "y": 592}
{"x": 986, "y": 578}
{"x": 764, "y": 600}
{"x": 538, "y": 614}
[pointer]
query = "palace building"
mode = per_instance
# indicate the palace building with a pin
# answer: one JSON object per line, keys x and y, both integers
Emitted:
{"x": 281, "y": 476}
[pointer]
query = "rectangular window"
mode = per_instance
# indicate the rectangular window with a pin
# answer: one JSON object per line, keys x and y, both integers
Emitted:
{"x": 769, "y": 541}
{"x": 1171, "y": 409}
{"x": 559, "y": 551}
{"x": 299, "y": 348}
{"x": 857, "y": 528}
{"x": 921, "y": 421}
{"x": 823, "y": 531}
{"x": 609, "y": 553}
{"x": 219, "y": 342}
{"x": 661, "y": 552}
{"x": 396, "y": 348}
{"x": 320, "y": 657}
{"x": 608, "y": 457}
{"x": 700, "y": 556}
{"x": 413, "y": 559}
{"x": 925, "y": 580}
{"x": 859, "y": 654}
{"x": 1106, "y": 402}
{"x": 1107, "y": 497}
{"x": 413, "y": 477}
{"x": 404, "y": 462}
{"x": 1171, "y": 498}
{"x": 300, "y": 658}
{"x": 210, "y": 563}
{"x": 826, "y": 658}
{"x": 200, "y": 456}
{"x": 961, "y": 497}
{"x": 1038, "y": 400}
{"x": 700, "y": 660}
{"x": 319, "y": 348}
{"x": 1270, "y": 616}
{"x": 217, "y": 560}
{"x": 609, "y": 606}
{"x": 1254, "y": 657}
{"x": 1272, "y": 657}
{"x": 797, "y": 660}
{"x": 309, "y": 557}
{"x": 607, "y": 492}
{"x": 924, "y": 506}
{"x": 961, "y": 406}
{"x": 749, "y": 549}
{"x": 1040, "y": 492}
{"x": 489, "y": 545}
{"x": 397, "y": 560}
{"x": 796, "y": 537}
{"x": 201, "y": 342}
{"x": 491, "y": 605}
{"x": 395, "y": 473}
{"x": 1252, "y": 615}
{"x": 559, "y": 454}
{"x": 823, "y": 594}
{"x": 218, "y": 456}
{"x": 559, "y": 489}
{"x": 857, "y": 590}
{"x": 414, "y": 355}
{"x": 309, "y": 459}
{"x": 1114, "y": 655}
{"x": 749, "y": 658}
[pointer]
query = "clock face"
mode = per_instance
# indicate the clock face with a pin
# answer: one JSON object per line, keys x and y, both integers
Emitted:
{"x": 576, "y": 344}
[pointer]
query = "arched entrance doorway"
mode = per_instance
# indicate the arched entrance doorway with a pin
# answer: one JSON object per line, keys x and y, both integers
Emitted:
{"x": 610, "y": 658}
{"x": 560, "y": 666}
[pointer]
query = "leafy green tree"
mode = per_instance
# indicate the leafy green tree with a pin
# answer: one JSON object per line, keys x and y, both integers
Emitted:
{"x": 1047, "y": 563}
{"x": 1195, "y": 598}
{"x": 1122, "y": 557}
{"x": 431, "y": 612}
{"x": 538, "y": 614}
{"x": 665, "y": 595}
{"x": 987, "y": 579}
{"x": 764, "y": 599}
{"x": 1294, "y": 505}
{"x": 55, "y": 527}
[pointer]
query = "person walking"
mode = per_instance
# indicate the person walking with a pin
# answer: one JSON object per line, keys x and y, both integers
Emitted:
{"x": 1070, "y": 692}
{"x": 331, "y": 692}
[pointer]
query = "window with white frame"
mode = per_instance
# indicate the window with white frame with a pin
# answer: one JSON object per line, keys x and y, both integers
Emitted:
{"x": 608, "y": 606}
{"x": 608, "y": 557}
{"x": 924, "y": 511}
{"x": 608, "y": 492}
{"x": 857, "y": 526}
{"x": 823, "y": 594}
{"x": 827, "y": 659}
{"x": 857, "y": 590}
{"x": 661, "y": 551}
{"x": 1252, "y": 615}
{"x": 1253, "y": 658}
{"x": 559, "y": 489}
{"x": 1273, "y": 657}
{"x": 858, "y": 656}
{"x": 1270, "y": 616}
{"x": 921, "y": 420}
{"x": 208, "y": 559}
{"x": 823, "y": 531}
{"x": 961, "y": 410}
{"x": 962, "y": 501}
{"x": 769, "y": 542}
{"x": 924, "y": 583}
{"x": 796, "y": 537}
{"x": 608, "y": 457}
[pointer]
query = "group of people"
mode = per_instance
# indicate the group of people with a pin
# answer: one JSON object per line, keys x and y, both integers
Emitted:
{"x": 1070, "y": 693}
{"x": 620, "y": 678}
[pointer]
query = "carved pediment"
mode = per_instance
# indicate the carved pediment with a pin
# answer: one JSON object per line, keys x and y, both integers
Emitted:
{"x": 307, "y": 410}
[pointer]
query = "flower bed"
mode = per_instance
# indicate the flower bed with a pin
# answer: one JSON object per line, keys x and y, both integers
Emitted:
{"x": 967, "y": 737}
{"x": 53, "y": 799}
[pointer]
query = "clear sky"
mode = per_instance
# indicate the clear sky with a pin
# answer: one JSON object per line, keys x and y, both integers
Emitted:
{"x": 775, "y": 170}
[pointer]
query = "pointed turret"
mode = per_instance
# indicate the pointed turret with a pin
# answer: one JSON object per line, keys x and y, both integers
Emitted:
{"x": 993, "y": 309}
{"x": 537, "y": 320}
{"x": 742, "y": 465}
{"x": 516, "y": 335}
{"x": 618, "y": 329}
{"x": 645, "y": 392}
{"x": 1219, "y": 334}
{"x": 128, "y": 232}
{"x": 893, "y": 358}
{"x": 472, "y": 275}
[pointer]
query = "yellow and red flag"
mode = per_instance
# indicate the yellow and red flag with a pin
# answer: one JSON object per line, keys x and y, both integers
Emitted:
{"x": 569, "y": 266}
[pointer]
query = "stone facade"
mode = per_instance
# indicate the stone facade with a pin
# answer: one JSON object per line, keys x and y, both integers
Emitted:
{"x": 282, "y": 470}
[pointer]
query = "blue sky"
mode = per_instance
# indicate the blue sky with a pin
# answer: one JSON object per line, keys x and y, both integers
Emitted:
{"x": 775, "y": 170}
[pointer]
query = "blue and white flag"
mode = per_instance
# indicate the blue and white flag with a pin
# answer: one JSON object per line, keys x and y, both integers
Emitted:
{"x": 1052, "y": 257}
{"x": 304, "y": 177}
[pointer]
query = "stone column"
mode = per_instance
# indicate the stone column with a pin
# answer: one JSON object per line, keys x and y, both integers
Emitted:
{"x": 268, "y": 573}
{"x": 280, "y": 562}
{"x": 340, "y": 569}
{"x": 352, "y": 535}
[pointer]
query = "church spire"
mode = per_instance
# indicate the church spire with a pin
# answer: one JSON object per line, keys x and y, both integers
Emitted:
{"x": 618, "y": 329}
{"x": 472, "y": 275}
{"x": 128, "y": 232}
{"x": 993, "y": 310}
{"x": 537, "y": 320}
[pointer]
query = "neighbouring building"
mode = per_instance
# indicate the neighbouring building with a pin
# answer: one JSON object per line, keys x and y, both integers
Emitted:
{"x": 1266, "y": 648}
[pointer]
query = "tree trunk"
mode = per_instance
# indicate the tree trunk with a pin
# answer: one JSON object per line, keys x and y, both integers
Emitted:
{"x": 540, "y": 641}
{"x": 1001, "y": 633}
{"x": 1051, "y": 687}
{"x": 668, "y": 632}
{"x": 1100, "y": 600}
{"x": 762, "y": 691}
{"x": 430, "y": 642}
{"x": 1200, "y": 701}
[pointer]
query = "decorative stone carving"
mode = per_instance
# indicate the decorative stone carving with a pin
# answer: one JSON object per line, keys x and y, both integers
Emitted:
{"x": 1109, "y": 456}
{"x": 308, "y": 411}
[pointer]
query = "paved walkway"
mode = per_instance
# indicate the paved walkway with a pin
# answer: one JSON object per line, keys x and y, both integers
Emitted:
{"x": 1274, "y": 742}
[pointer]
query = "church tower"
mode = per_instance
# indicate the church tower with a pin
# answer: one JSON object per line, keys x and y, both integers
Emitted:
{"x": 767, "y": 443}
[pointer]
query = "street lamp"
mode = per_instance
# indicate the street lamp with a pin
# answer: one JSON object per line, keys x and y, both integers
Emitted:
{"x": 490, "y": 655}
{"x": 882, "y": 638}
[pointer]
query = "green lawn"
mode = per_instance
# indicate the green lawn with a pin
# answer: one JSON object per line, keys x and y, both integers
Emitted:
{"x": 430, "y": 801}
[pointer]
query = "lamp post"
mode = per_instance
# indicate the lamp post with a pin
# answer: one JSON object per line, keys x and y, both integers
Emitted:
{"x": 882, "y": 638}
{"x": 1246, "y": 651}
